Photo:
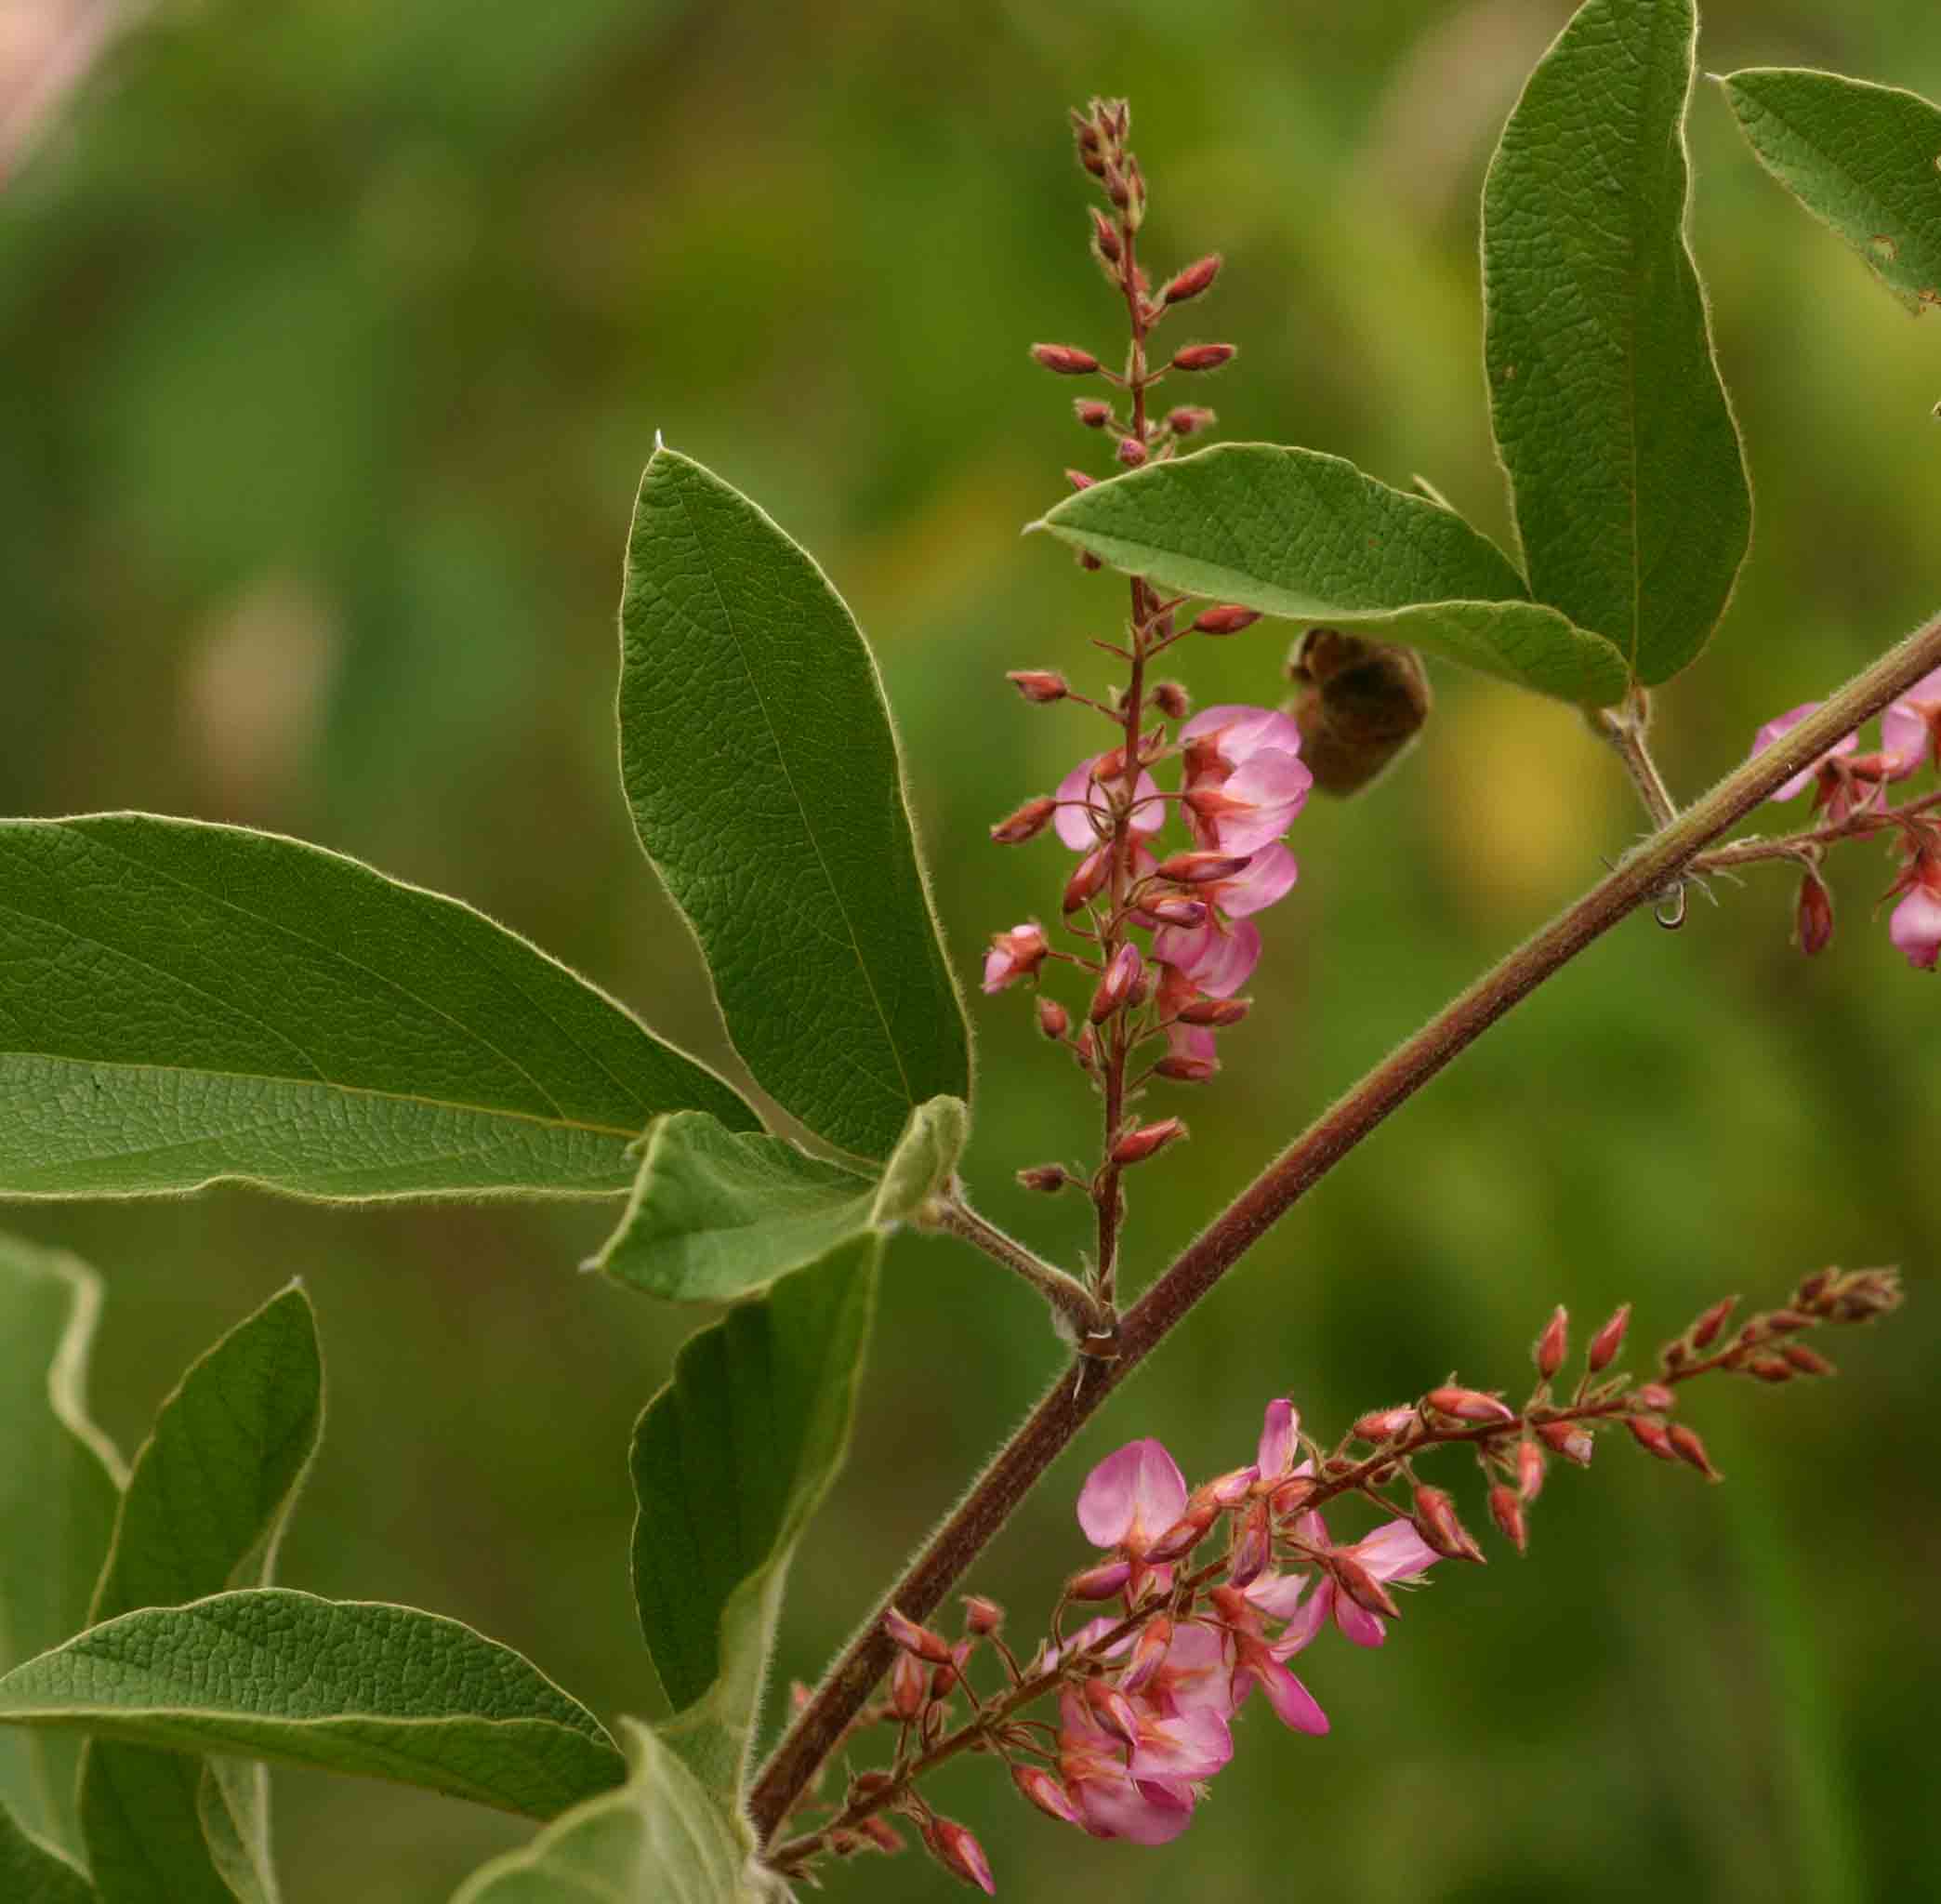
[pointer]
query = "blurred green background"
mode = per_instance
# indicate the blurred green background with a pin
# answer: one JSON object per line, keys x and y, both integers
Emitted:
{"x": 332, "y": 338}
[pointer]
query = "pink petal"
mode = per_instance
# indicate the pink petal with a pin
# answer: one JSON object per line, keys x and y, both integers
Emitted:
{"x": 1279, "y": 1427}
{"x": 1186, "y": 1747}
{"x": 1293, "y": 1704}
{"x": 1396, "y": 1552}
{"x": 1782, "y": 725}
{"x": 1069, "y": 822}
{"x": 1904, "y": 736}
{"x": 1240, "y": 732}
{"x": 1357, "y": 1623}
{"x": 1196, "y": 1674}
{"x": 1278, "y": 1594}
{"x": 1308, "y": 1619}
{"x": 1915, "y": 927}
{"x": 1144, "y": 1814}
{"x": 1133, "y": 1496}
{"x": 1275, "y": 787}
{"x": 1218, "y": 961}
{"x": 1269, "y": 876}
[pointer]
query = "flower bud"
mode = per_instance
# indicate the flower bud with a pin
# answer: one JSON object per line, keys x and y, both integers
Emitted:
{"x": 1813, "y": 915}
{"x": 1117, "y": 189}
{"x": 1770, "y": 1368}
{"x": 1092, "y": 413}
{"x": 1053, "y": 1020}
{"x": 1047, "y": 1794}
{"x": 1807, "y": 1361}
{"x": 1105, "y": 237}
{"x": 1142, "y": 1141}
{"x": 1172, "y": 911}
{"x": 881, "y": 1832}
{"x": 1225, "y": 618}
{"x": 1203, "y": 357}
{"x": 1039, "y": 684}
{"x": 1148, "y": 1653}
{"x": 1688, "y": 1446}
{"x": 1184, "y": 1069}
{"x": 1089, "y": 881}
{"x": 918, "y": 1640}
{"x": 1191, "y": 281}
{"x": 1567, "y": 1439}
{"x": 1217, "y": 1012}
{"x": 1085, "y": 1049}
{"x": 1651, "y": 1438}
{"x": 906, "y": 1678}
{"x": 981, "y": 1616}
{"x": 1200, "y": 868}
{"x": 1027, "y": 823}
{"x": 1169, "y": 697}
{"x": 1655, "y": 1396}
{"x": 943, "y": 1679}
{"x": 1360, "y": 1585}
{"x": 1120, "y": 981}
{"x": 1436, "y": 1521}
{"x": 1254, "y": 1548}
{"x": 1506, "y": 1510}
{"x": 1705, "y": 1331}
{"x": 959, "y": 1853}
{"x": 1102, "y": 1583}
{"x": 1470, "y": 1405}
{"x": 1131, "y": 452}
{"x": 1049, "y": 1178}
{"x": 1553, "y": 1344}
{"x": 1605, "y": 1343}
{"x": 1184, "y": 1536}
{"x": 1079, "y": 480}
{"x": 1786, "y": 1322}
{"x": 1812, "y": 1288}
{"x": 1529, "y": 1470}
{"x": 1067, "y": 360}
{"x": 1384, "y": 1425}
{"x": 1292, "y": 1496}
{"x": 1189, "y": 419}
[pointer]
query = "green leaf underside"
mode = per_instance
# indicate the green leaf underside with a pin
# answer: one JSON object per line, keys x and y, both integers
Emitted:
{"x": 1626, "y": 476}
{"x": 31, "y": 1872}
{"x": 717, "y": 1214}
{"x": 181, "y": 1003}
{"x": 729, "y": 1462}
{"x": 660, "y": 1839}
{"x": 1308, "y": 537}
{"x": 59, "y": 1483}
{"x": 1865, "y": 159}
{"x": 204, "y": 1510}
{"x": 356, "y": 1686}
{"x": 757, "y": 758}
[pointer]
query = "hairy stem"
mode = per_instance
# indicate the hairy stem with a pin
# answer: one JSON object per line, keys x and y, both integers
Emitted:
{"x": 1089, "y": 1321}
{"x": 1078, "y": 1393}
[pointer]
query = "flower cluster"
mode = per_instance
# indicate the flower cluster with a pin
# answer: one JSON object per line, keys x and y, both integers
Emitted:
{"x": 1850, "y": 800}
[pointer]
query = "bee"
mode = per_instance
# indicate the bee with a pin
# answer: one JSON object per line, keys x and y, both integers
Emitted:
{"x": 1358, "y": 704}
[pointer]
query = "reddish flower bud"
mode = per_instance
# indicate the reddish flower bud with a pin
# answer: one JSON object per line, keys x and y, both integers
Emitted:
{"x": 918, "y": 1640}
{"x": 1148, "y": 1653}
{"x": 1038, "y": 684}
{"x": 906, "y": 1678}
{"x": 959, "y": 1853}
{"x": 1117, "y": 987}
{"x": 1651, "y": 1438}
{"x": 1770, "y": 1368}
{"x": 1189, "y": 419}
{"x": 1182, "y": 1538}
{"x": 1144, "y": 1140}
{"x": 1292, "y": 1496}
{"x": 1169, "y": 697}
{"x": 1092, "y": 413}
{"x": 1047, "y": 1794}
{"x": 1529, "y": 1470}
{"x": 1114, "y": 1710}
{"x": 1254, "y": 1548}
{"x": 1654, "y": 1395}
{"x": 1705, "y": 1331}
{"x": 1468, "y": 1405}
{"x": 1191, "y": 281}
{"x": 1068, "y": 359}
{"x": 880, "y": 1834}
{"x": 1105, "y": 237}
{"x": 1049, "y": 1178}
{"x": 1506, "y": 1510}
{"x": 1384, "y": 1425}
{"x": 1786, "y": 1322}
{"x": 981, "y": 1616}
{"x": 1203, "y": 356}
{"x": 1553, "y": 1344}
{"x": 1605, "y": 1343}
{"x": 1360, "y": 1585}
{"x": 1085, "y": 1049}
{"x": 945, "y": 1678}
{"x": 1813, "y": 915}
{"x": 1079, "y": 480}
{"x": 1089, "y": 881}
{"x": 1807, "y": 1361}
{"x": 1117, "y": 189}
{"x": 1027, "y": 823}
{"x": 1173, "y": 910}
{"x": 1688, "y": 1446}
{"x": 1217, "y": 1012}
{"x": 1812, "y": 1288}
{"x": 1226, "y": 618}
{"x": 1102, "y": 1583}
{"x": 1184, "y": 1069}
{"x": 1436, "y": 1520}
{"x": 1199, "y": 868}
{"x": 1569, "y": 1439}
{"x": 1053, "y": 1020}
{"x": 1131, "y": 452}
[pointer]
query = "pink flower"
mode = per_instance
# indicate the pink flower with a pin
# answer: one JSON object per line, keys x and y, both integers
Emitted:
{"x": 1783, "y": 724}
{"x": 1142, "y": 1789}
{"x": 1014, "y": 955}
{"x": 1084, "y": 811}
{"x": 1219, "y": 741}
{"x": 1910, "y": 729}
{"x": 1280, "y": 1438}
{"x": 1394, "y": 1552}
{"x": 1218, "y": 959}
{"x": 1267, "y": 877}
{"x": 1244, "y": 783}
{"x": 1915, "y": 927}
{"x": 1131, "y": 1497}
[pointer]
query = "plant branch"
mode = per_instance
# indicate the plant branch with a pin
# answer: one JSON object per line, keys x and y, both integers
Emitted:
{"x": 1649, "y": 867}
{"x": 1090, "y": 1322}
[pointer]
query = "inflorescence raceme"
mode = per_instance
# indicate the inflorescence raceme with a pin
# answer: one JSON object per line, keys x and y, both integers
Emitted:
{"x": 1147, "y": 1690}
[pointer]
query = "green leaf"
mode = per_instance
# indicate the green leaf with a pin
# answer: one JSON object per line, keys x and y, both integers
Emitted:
{"x": 343, "y": 1686}
{"x": 60, "y": 1481}
{"x": 660, "y": 1839}
{"x": 32, "y": 1872}
{"x": 181, "y": 1003}
{"x": 717, "y": 1214}
{"x": 757, "y": 758}
{"x": 1626, "y": 475}
{"x": 729, "y": 1462}
{"x": 1864, "y": 159}
{"x": 204, "y": 1508}
{"x": 1295, "y": 532}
